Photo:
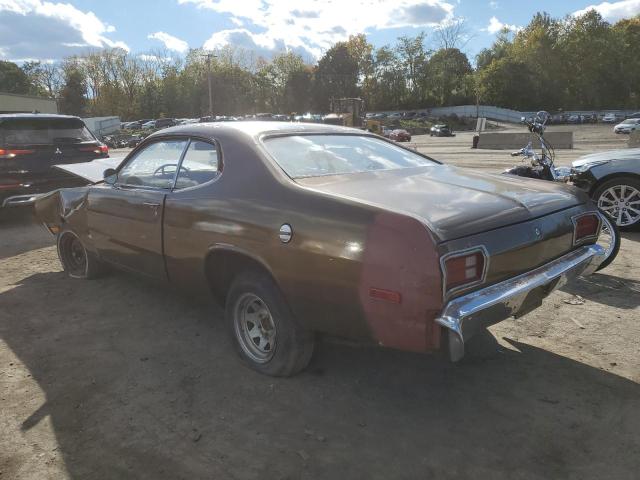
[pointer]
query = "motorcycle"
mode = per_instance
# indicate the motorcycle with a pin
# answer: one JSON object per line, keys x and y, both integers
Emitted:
{"x": 541, "y": 166}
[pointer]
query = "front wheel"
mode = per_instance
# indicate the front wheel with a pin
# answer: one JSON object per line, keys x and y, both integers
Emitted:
{"x": 619, "y": 199}
{"x": 609, "y": 239}
{"x": 263, "y": 329}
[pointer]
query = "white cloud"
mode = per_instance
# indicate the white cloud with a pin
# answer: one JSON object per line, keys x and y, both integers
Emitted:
{"x": 493, "y": 5}
{"x": 496, "y": 26}
{"x": 614, "y": 11}
{"x": 314, "y": 25}
{"x": 45, "y": 30}
{"x": 171, "y": 42}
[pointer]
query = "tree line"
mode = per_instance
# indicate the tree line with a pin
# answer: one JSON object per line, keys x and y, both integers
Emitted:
{"x": 579, "y": 62}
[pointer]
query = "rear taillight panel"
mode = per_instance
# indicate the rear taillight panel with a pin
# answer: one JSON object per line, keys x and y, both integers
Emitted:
{"x": 101, "y": 149}
{"x": 9, "y": 153}
{"x": 586, "y": 227}
{"x": 463, "y": 269}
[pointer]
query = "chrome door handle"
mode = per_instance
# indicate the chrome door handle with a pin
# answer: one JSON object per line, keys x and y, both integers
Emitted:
{"x": 151, "y": 204}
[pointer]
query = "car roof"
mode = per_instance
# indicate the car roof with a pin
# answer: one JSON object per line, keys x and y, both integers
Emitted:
{"x": 253, "y": 129}
{"x": 35, "y": 115}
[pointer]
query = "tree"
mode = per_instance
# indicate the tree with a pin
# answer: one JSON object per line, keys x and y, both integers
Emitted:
{"x": 13, "y": 79}
{"x": 506, "y": 83}
{"x": 448, "y": 71}
{"x": 336, "y": 76}
{"x": 73, "y": 94}
{"x": 412, "y": 56}
{"x": 452, "y": 34}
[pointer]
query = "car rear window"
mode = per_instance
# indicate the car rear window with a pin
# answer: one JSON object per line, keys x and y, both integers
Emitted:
{"x": 318, "y": 155}
{"x": 43, "y": 131}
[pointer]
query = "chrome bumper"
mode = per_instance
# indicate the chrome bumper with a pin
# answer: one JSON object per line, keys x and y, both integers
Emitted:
{"x": 464, "y": 316}
{"x": 20, "y": 200}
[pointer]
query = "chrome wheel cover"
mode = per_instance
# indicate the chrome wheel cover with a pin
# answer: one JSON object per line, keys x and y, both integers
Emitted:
{"x": 621, "y": 203}
{"x": 254, "y": 328}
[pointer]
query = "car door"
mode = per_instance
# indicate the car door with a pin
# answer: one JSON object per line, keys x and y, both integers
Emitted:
{"x": 125, "y": 218}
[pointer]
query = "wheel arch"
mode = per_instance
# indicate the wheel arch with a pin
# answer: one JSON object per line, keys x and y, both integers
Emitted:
{"x": 223, "y": 263}
{"x": 612, "y": 176}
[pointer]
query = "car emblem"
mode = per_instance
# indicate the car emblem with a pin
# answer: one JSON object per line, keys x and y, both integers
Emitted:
{"x": 538, "y": 232}
{"x": 58, "y": 151}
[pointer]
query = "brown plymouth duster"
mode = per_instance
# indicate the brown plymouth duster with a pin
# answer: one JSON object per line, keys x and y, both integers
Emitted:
{"x": 301, "y": 228}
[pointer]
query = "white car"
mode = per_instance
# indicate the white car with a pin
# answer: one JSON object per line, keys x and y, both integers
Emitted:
{"x": 610, "y": 118}
{"x": 628, "y": 126}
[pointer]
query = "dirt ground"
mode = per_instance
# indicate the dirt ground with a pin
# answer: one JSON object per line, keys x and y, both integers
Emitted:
{"x": 118, "y": 378}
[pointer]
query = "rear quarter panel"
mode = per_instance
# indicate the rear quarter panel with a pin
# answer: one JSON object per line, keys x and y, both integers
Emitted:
{"x": 339, "y": 250}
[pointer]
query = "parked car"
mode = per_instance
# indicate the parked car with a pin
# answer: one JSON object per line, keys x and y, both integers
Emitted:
{"x": 441, "y": 130}
{"x": 164, "y": 123}
{"x": 150, "y": 125}
{"x": 304, "y": 229}
{"x": 627, "y": 126}
{"x": 400, "y": 135}
{"x": 612, "y": 179}
{"x": 610, "y": 118}
{"x": 31, "y": 144}
{"x": 133, "y": 125}
{"x": 634, "y": 115}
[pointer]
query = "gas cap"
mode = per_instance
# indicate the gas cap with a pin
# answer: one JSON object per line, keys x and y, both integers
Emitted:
{"x": 286, "y": 232}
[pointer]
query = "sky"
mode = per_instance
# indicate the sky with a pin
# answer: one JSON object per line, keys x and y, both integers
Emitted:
{"x": 50, "y": 30}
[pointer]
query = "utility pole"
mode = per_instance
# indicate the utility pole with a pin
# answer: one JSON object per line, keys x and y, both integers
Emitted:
{"x": 209, "y": 56}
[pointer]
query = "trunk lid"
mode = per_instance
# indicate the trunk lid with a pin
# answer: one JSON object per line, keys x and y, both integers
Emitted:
{"x": 453, "y": 202}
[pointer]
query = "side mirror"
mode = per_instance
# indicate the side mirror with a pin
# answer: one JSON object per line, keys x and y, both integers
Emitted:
{"x": 523, "y": 119}
{"x": 110, "y": 176}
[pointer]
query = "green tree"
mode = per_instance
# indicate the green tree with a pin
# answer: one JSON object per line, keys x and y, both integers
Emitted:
{"x": 336, "y": 76}
{"x": 13, "y": 79}
{"x": 73, "y": 94}
{"x": 447, "y": 78}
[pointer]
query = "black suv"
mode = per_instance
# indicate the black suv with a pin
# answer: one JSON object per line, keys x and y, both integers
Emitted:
{"x": 31, "y": 144}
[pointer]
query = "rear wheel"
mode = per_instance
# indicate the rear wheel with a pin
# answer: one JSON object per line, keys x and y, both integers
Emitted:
{"x": 75, "y": 259}
{"x": 264, "y": 331}
{"x": 619, "y": 199}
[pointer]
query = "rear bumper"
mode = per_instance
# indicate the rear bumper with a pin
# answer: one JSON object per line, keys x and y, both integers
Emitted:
{"x": 20, "y": 200}
{"x": 466, "y": 315}
{"x": 28, "y": 188}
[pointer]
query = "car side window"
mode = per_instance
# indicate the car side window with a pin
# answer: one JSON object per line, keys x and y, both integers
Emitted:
{"x": 200, "y": 165}
{"x": 153, "y": 166}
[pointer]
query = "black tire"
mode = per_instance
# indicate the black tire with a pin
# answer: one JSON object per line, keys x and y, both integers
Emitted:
{"x": 613, "y": 245}
{"x": 612, "y": 184}
{"x": 291, "y": 345}
{"x": 76, "y": 260}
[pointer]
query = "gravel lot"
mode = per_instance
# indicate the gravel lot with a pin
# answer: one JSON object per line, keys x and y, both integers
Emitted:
{"x": 117, "y": 378}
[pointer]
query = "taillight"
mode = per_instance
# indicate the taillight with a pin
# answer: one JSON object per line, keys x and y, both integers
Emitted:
{"x": 100, "y": 149}
{"x": 463, "y": 269}
{"x": 585, "y": 227}
{"x": 11, "y": 153}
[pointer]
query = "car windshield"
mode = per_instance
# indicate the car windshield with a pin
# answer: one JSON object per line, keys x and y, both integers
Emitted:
{"x": 318, "y": 155}
{"x": 631, "y": 121}
{"x": 43, "y": 131}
